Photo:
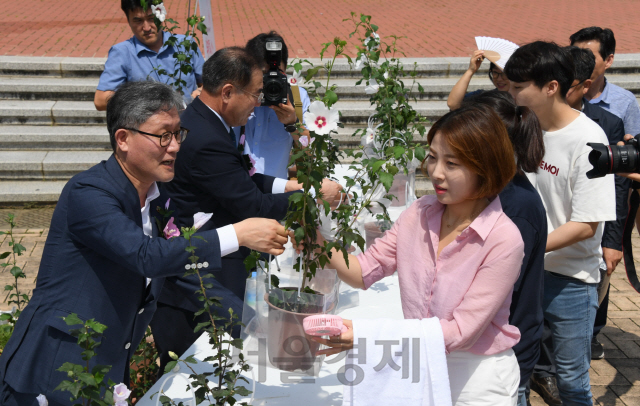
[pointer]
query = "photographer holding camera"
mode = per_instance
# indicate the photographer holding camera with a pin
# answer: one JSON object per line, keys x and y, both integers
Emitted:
{"x": 271, "y": 130}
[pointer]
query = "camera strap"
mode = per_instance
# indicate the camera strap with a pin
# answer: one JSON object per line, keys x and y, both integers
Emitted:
{"x": 297, "y": 101}
{"x": 627, "y": 247}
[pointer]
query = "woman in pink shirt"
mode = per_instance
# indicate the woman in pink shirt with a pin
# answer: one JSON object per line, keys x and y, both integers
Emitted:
{"x": 457, "y": 256}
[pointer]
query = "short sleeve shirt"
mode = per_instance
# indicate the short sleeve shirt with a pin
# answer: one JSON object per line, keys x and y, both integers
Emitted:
{"x": 623, "y": 104}
{"x": 568, "y": 195}
{"x": 131, "y": 61}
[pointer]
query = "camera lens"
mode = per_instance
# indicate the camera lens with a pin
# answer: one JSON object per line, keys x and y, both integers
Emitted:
{"x": 608, "y": 159}
{"x": 273, "y": 90}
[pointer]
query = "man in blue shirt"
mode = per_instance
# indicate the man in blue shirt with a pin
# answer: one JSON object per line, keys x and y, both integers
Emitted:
{"x": 270, "y": 131}
{"x": 610, "y": 97}
{"x": 136, "y": 58}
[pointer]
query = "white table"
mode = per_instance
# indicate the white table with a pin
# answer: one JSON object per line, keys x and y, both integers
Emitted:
{"x": 274, "y": 387}
{"x": 382, "y": 300}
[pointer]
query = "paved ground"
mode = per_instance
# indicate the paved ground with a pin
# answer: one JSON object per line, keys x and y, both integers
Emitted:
{"x": 615, "y": 380}
{"x": 87, "y": 28}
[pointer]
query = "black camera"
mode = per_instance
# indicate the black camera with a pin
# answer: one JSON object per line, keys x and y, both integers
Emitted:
{"x": 274, "y": 83}
{"x": 608, "y": 159}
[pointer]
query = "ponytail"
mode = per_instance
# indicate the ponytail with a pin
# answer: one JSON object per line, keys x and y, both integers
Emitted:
{"x": 522, "y": 126}
{"x": 527, "y": 140}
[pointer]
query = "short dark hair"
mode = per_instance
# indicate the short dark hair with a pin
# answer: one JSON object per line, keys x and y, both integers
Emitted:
{"x": 604, "y": 36}
{"x": 134, "y": 102}
{"x": 257, "y": 47}
{"x": 228, "y": 65}
{"x": 130, "y": 5}
{"x": 479, "y": 139}
{"x": 522, "y": 126}
{"x": 584, "y": 62}
{"x": 541, "y": 62}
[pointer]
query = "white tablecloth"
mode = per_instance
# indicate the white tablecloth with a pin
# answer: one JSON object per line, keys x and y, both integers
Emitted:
{"x": 382, "y": 300}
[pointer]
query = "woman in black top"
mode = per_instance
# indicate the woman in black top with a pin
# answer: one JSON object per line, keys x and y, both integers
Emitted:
{"x": 521, "y": 202}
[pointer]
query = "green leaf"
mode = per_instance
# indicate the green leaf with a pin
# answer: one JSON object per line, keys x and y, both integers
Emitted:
{"x": 398, "y": 151}
{"x": 299, "y": 234}
{"x": 202, "y": 325}
{"x": 377, "y": 165}
{"x": 311, "y": 73}
{"x": 275, "y": 281}
{"x": 420, "y": 153}
{"x": 386, "y": 179}
{"x": 331, "y": 97}
{"x": 16, "y": 271}
{"x": 87, "y": 379}
{"x": 19, "y": 249}
{"x": 170, "y": 366}
{"x": 4, "y": 255}
{"x": 72, "y": 319}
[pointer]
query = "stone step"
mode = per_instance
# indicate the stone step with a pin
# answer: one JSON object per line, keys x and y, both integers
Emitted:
{"x": 83, "y": 89}
{"x": 35, "y": 191}
{"x": 16, "y": 192}
{"x": 27, "y": 137}
{"x": 96, "y": 138}
{"x": 48, "y": 112}
{"x": 47, "y": 88}
{"x": 47, "y": 165}
{"x": 426, "y": 67}
{"x": 51, "y": 66}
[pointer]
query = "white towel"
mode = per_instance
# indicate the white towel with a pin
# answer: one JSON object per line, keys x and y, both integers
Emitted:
{"x": 398, "y": 362}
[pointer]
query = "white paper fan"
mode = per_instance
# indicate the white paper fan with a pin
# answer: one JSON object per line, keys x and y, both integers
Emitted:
{"x": 497, "y": 50}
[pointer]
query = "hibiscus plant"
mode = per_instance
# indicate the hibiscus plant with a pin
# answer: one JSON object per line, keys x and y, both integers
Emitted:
{"x": 15, "y": 296}
{"x": 388, "y": 147}
{"x": 219, "y": 387}
{"x": 87, "y": 386}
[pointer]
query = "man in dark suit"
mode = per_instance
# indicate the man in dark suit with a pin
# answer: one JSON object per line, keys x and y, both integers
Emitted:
{"x": 99, "y": 259}
{"x": 613, "y": 126}
{"x": 212, "y": 176}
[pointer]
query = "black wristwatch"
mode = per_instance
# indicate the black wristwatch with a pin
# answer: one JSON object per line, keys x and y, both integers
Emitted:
{"x": 291, "y": 127}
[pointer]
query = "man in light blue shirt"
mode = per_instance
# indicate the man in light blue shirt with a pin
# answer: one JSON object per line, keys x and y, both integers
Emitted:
{"x": 610, "y": 97}
{"x": 267, "y": 135}
{"x": 136, "y": 58}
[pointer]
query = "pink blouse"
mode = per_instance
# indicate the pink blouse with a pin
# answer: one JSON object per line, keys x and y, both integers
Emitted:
{"x": 468, "y": 287}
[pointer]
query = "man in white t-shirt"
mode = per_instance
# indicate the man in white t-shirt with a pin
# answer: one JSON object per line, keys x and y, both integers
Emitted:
{"x": 541, "y": 73}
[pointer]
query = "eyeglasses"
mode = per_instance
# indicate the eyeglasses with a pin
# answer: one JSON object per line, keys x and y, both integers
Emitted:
{"x": 495, "y": 75}
{"x": 577, "y": 84}
{"x": 165, "y": 138}
{"x": 259, "y": 97}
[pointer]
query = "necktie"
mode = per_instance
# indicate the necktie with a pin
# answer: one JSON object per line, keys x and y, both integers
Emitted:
{"x": 233, "y": 137}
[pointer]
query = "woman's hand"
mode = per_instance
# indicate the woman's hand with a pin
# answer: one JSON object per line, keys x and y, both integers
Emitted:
{"x": 476, "y": 61}
{"x": 337, "y": 344}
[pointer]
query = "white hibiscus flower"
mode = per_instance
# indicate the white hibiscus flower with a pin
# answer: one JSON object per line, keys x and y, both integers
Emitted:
{"x": 320, "y": 119}
{"x": 159, "y": 11}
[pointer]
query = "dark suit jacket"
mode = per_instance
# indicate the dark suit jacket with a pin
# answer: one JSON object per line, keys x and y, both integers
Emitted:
{"x": 95, "y": 263}
{"x": 211, "y": 176}
{"x": 613, "y": 127}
